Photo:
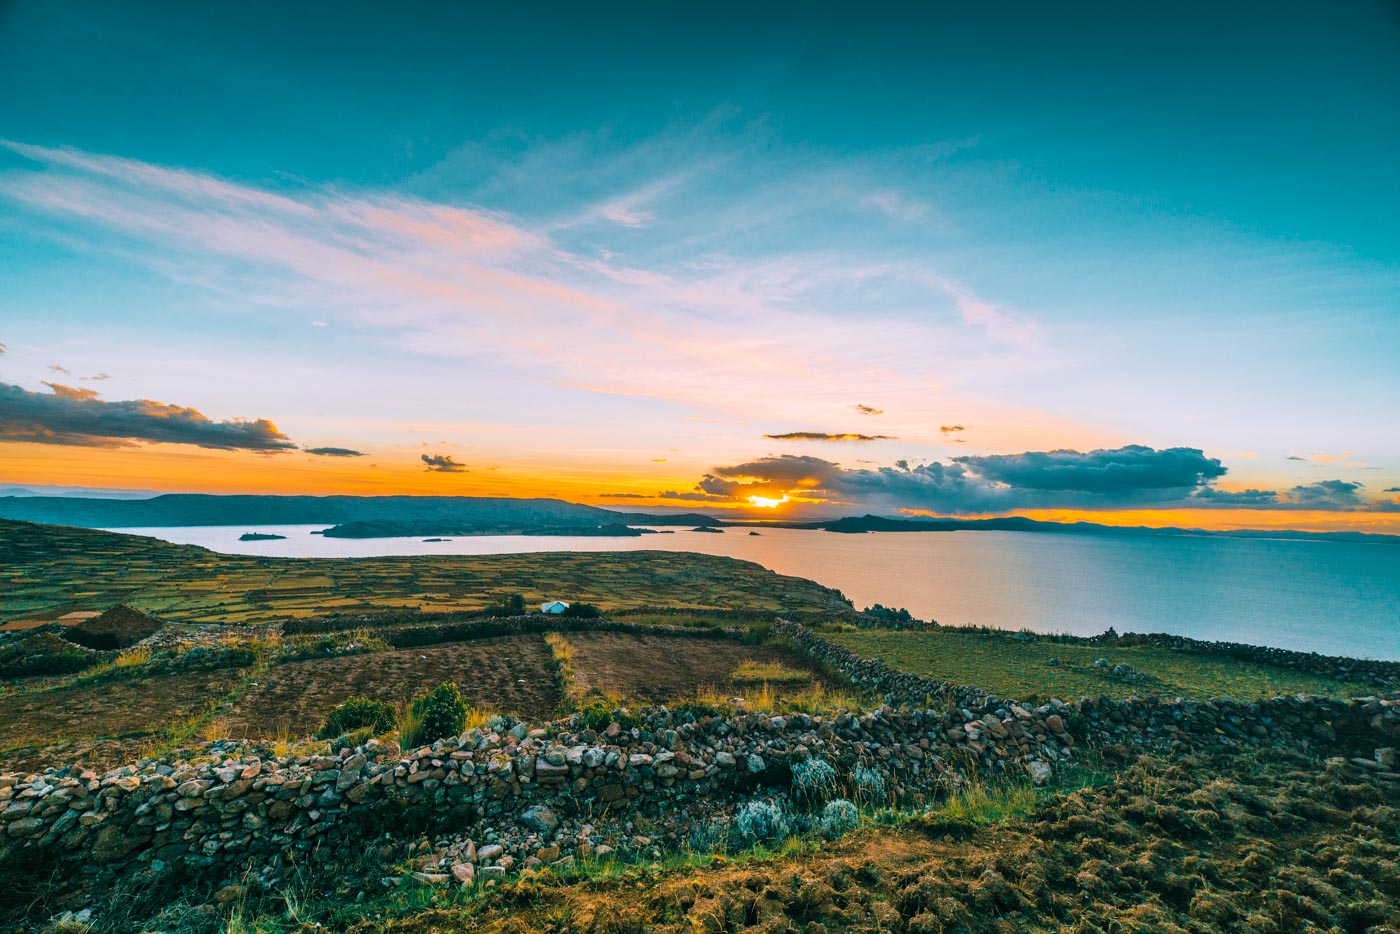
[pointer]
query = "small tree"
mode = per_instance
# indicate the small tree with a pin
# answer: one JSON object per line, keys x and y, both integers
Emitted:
{"x": 582, "y": 611}
{"x": 436, "y": 715}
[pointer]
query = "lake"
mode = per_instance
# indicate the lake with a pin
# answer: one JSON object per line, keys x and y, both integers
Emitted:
{"x": 1332, "y": 597}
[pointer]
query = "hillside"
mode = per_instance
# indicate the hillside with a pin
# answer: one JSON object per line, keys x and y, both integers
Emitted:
{"x": 47, "y": 571}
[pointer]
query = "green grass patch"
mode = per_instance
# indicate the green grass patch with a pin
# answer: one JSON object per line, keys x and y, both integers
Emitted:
{"x": 1037, "y": 670}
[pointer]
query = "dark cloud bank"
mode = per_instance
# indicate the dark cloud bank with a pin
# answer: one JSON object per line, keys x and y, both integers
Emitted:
{"x": 1117, "y": 478}
{"x": 73, "y": 416}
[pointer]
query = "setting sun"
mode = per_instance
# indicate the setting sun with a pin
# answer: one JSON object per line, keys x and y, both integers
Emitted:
{"x": 765, "y": 502}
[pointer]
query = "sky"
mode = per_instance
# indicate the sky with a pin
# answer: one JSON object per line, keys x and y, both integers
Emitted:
{"x": 1134, "y": 263}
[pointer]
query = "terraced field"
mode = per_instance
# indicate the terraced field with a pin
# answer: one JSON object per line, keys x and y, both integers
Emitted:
{"x": 509, "y": 675}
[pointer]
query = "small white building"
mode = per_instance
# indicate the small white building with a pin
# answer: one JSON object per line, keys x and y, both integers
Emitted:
{"x": 554, "y": 606}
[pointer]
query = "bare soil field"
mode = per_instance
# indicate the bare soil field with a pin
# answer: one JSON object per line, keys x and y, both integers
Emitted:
{"x": 65, "y": 719}
{"x": 513, "y": 674}
{"x": 663, "y": 669}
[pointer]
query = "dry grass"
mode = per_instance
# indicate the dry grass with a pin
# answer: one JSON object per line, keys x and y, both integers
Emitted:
{"x": 755, "y": 672}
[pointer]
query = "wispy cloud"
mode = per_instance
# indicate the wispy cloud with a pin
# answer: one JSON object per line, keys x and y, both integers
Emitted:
{"x": 826, "y": 436}
{"x": 334, "y": 452}
{"x": 867, "y": 409}
{"x": 765, "y": 333}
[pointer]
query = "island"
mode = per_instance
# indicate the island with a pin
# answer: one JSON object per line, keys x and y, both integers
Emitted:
{"x": 260, "y": 537}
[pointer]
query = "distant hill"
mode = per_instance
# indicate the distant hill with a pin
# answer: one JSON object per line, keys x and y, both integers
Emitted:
{"x": 183, "y": 509}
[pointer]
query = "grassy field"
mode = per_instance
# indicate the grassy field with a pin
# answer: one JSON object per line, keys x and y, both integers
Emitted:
{"x": 1041, "y": 669}
{"x": 48, "y": 571}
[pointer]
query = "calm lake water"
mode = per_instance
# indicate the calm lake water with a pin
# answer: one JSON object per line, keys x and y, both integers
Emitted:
{"x": 1329, "y": 597}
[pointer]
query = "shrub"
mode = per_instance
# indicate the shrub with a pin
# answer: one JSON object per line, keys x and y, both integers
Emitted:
{"x": 870, "y": 784}
{"x": 753, "y": 672}
{"x": 839, "y": 817}
{"x": 813, "y": 781}
{"x": 759, "y": 822}
{"x": 359, "y": 713}
{"x": 512, "y": 604}
{"x": 582, "y": 611}
{"x": 599, "y": 712}
{"x": 438, "y": 714}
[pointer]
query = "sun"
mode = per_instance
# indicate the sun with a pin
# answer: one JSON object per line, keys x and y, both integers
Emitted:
{"x": 764, "y": 502}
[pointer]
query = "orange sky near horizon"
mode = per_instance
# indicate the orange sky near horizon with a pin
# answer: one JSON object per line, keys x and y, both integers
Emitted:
{"x": 177, "y": 469}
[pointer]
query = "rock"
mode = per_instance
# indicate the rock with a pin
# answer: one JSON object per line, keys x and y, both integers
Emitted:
{"x": 489, "y": 852}
{"x": 1039, "y": 771}
{"x": 464, "y": 873}
{"x": 432, "y": 878}
{"x": 540, "y": 818}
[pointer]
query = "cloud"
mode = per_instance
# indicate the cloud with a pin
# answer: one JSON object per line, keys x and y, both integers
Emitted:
{"x": 1295, "y": 457}
{"x": 1130, "y": 476}
{"x": 58, "y": 369}
{"x": 1236, "y": 498}
{"x": 443, "y": 463}
{"x": 1391, "y": 489}
{"x": 334, "y": 452}
{"x": 696, "y": 496}
{"x": 1327, "y": 494}
{"x": 627, "y": 496}
{"x": 867, "y": 410}
{"x": 826, "y": 436}
{"x": 73, "y": 416}
{"x": 690, "y": 312}
{"x": 949, "y": 429}
{"x": 897, "y": 205}
{"x": 3, "y": 348}
{"x": 96, "y": 379}
{"x": 1134, "y": 467}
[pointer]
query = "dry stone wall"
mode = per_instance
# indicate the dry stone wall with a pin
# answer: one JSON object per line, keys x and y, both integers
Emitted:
{"x": 230, "y": 814}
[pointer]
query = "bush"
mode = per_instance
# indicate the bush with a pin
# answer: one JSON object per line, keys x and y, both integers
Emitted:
{"x": 436, "y": 715}
{"x": 512, "y": 604}
{"x": 839, "y": 817}
{"x": 582, "y": 611}
{"x": 599, "y": 712}
{"x": 359, "y": 713}
{"x": 759, "y": 822}
{"x": 813, "y": 781}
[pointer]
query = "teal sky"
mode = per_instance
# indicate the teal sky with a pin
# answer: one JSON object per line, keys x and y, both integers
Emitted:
{"x": 636, "y": 235}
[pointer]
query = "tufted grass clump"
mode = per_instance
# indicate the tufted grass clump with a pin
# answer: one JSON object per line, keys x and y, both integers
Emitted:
{"x": 869, "y": 784}
{"x": 758, "y": 823}
{"x": 813, "y": 781}
{"x": 839, "y": 818}
{"x": 755, "y": 672}
{"x": 359, "y": 713}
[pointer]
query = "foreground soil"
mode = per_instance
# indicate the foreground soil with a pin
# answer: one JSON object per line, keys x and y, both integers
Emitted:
{"x": 1221, "y": 844}
{"x": 98, "y": 724}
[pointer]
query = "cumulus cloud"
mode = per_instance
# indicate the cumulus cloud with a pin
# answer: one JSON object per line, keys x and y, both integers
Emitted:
{"x": 867, "y": 409}
{"x": 826, "y": 436}
{"x": 443, "y": 463}
{"x": 1130, "y": 468}
{"x": 334, "y": 452}
{"x": 1327, "y": 494}
{"x": 75, "y": 416}
{"x": 1133, "y": 476}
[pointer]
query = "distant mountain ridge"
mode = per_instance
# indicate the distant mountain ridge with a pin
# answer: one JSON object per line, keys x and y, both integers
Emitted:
{"x": 381, "y": 516}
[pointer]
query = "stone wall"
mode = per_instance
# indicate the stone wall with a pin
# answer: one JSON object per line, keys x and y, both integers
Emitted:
{"x": 229, "y": 814}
